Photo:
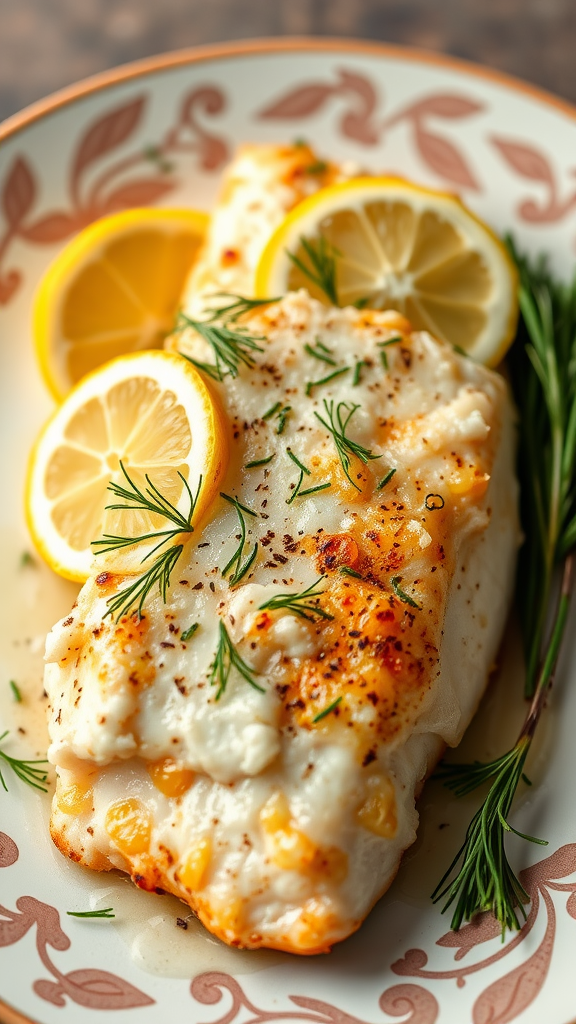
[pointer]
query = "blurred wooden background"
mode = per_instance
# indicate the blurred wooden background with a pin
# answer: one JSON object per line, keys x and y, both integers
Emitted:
{"x": 45, "y": 44}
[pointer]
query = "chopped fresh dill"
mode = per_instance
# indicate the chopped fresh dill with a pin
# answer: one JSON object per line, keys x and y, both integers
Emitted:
{"x": 232, "y": 346}
{"x": 434, "y": 502}
{"x": 347, "y": 570}
{"x": 26, "y": 559}
{"x": 16, "y": 691}
{"x": 259, "y": 462}
{"x": 187, "y": 634}
{"x": 385, "y": 479}
{"x": 295, "y": 459}
{"x": 362, "y": 302}
{"x": 345, "y": 447}
{"x": 131, "y": 599}
{"x": 321, "y": 266}
{"x": 326, "y": 711}
{"x": 26, "y": 771}
{"x": 272, "y": 412}
{"x": 282, "y": 416}
{"x": 311, "y": 384}
{"x": 356, "y": 379}
{"x": 296, "y": 490}
{"x": 305, "y": 604}
{"x": 235, "y": 565}
{"x": 225, "y": 659}
{"x": 103, "y": 914}
{"x": 314, "y": 490}
{"x": 320, "y": 352}
{"x": 401, "y": 594}
{"x": 382, "y": 345}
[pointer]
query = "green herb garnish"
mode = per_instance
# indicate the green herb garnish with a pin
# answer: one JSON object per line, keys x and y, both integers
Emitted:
{"x": 321, "y": 265}
{"x": 131, "y": 599}
{"x": 259, "y": 462}
{"x": 347, "y": 570}
{"x": 16, "y": 691}
{"x": 324, "y": 380}
{"x": 318, "y": 167}
{"x": 232, "y": 346}
{"x": 239, "y": 568}
{"x": 106, "y": 914}
{"x": 238, "y": 306}
{"x": 382, "y": 345}
{"x": 327, "y": 710}
{"x": 305, "y": 604}
{"x": 314, "y": 490}
{"x": 385, "y": 479}
{"x": 25, "y": 770}
{"x": 26, "y": 559}
{"x": 357, "y": 372}
{"x": 320, "y": 352}
{"x": 280, "y": 411}
{"x": 296, "y": 460}
{"x": 189, "y": 633}
{"x": 345, "y": 447}
{"x": 401, "y": 594}
{"x": 225, "y": 659}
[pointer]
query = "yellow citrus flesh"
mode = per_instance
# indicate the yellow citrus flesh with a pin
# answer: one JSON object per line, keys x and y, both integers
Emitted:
{"x": 154, "y": 413}
{"x": 399, "y": 246}
{"x": 114, "y": 289}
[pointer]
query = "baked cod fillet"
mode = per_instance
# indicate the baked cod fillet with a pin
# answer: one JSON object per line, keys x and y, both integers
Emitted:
{"x": 279, "y": 814}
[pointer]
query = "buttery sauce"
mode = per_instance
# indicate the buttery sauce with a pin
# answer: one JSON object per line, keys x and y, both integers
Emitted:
{"x": 160, "y": 933}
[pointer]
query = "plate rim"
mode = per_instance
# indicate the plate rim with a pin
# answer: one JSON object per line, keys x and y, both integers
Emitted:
{"x": 144, "y": 67}
{"x": 280, "y": 44}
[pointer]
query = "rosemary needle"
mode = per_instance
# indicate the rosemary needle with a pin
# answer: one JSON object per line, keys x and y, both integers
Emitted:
{"x": 104, "y": 914}
{"x": 331, "y": 707}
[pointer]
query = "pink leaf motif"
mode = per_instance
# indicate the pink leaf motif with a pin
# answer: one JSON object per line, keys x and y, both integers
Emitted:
{"x": 330, "y": 1014}
{"x": 100, "y": 990}
{"x": 402, "y": 999}
{"x": 51, "y": 991}
{"x": 300, "y": 102}
{"x": 447, "y": 106}
{"x": 106, "y": 134}
{"x": 444, "y": 159}
{"x": 9, "y": 284}
{"x": 571, "y": 905}
{"x": 52, "y": 228}
{"x": 13, "y": 926}
{"x": 356, "y": 124}
{"x": 8, "y": 851}
{"x": 47, "y": 920}
{"x": 411, "y": 964}
{"x": 139, "y": 192}
{"x": 557, "y": 865}
{"x": 483, "y": 928}
{"x": 506, "y": 998}
{"x": 18, "y": 193}
{"x": 526, "y": 161}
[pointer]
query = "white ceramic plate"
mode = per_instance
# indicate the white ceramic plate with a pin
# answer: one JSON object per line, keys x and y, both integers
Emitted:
{"x": 160, "y": 132}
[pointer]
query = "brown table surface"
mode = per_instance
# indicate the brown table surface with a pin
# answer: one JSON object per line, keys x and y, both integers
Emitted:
{"x": 45, "y": 44}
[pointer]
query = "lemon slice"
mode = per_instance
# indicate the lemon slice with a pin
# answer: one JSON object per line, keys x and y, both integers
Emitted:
{"x": 113, "y": 289}
{"x": 399, "y": 246}
{"x": 153, "y": 412}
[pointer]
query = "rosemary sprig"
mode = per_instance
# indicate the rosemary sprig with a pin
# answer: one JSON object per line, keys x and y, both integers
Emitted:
{"x": 321, "y": 266}
{"x": 231, "y": 345}
{"x": 225, "y": 659}
{"x": 305, "y": 604}
{"x": 26, "y": 771}
{"x": 385, "y": 479}
{"x": 131, "y": 599}
{"x": 235, "y": 565}
{"x": 543, "y": 367}
{"x": 345, "y": 447}
{"x": 314, "y": 490}
{"x": 236, "y": 308}
{"x": 107, "y": 913}
{"x": 259, "y": 462}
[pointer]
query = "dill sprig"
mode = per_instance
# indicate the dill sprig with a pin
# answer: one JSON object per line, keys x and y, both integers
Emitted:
{"x": 305, "y": 604}
{"x": 337, "y": 426}
{"x": 320, "y": 267}
{"x": 237, "y": 307}
{"x": 311, "y": 384}
{"x": 320, "y": 351}
{"x": 235, "y": 565}
{"x": 24, "y": 770}
{"x": 543, "y": 365}
{"x": 382, "y": 345}
{"x": 106, "y": 914}
{"x": 225, "y": 659}
{"x": 231, "y": 345}
{"x": 130, "y": 599}
{"x": 259, "y": 462}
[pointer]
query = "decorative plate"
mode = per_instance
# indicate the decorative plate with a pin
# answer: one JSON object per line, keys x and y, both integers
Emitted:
{"x": 159, "y": 132}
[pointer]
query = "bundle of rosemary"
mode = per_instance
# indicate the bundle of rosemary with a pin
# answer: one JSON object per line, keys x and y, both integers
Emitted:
{"x": 543, "y": 373}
